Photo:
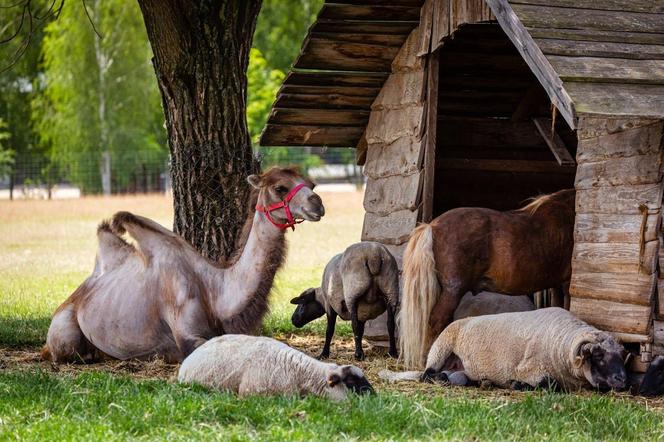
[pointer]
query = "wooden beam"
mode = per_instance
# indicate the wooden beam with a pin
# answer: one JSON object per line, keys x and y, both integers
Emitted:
{"x": 553, "y": 141}
{"x": 601, "y": 49}
{"x": 589, "y": 35}
{"x": 323, "y": 101}
{"x": 612, "y": 316}
{"x": 539, "y": 65}
{"x": 369, "y": 12}
{"x": 637, "y": 100}
{"x": 650, "y": 6}
{"x": 323, "y": 117}
{"x": 301, "y": 135}
{"x": 430, "y": 137}
{"x": 399, "y": 28}
{"x": 321, "y": 54}
{"x": 613, "y": 70}
{"x": 573, "y": 18}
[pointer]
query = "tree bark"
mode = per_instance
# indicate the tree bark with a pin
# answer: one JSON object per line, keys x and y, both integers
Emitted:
{"x": 201, "y": 53}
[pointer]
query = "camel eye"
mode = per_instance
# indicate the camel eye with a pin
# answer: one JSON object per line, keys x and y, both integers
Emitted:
{"x": 281, "y": 189}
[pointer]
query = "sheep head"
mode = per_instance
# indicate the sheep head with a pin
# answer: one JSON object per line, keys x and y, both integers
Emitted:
{"x": 653, "y": 380}
{"x": 602, "y": 362}
{"x": 308, "y": 308}
{"x": 348, "y": 377}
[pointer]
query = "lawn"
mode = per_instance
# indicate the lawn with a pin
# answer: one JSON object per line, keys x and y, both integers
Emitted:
{"x": 48, "y": 248}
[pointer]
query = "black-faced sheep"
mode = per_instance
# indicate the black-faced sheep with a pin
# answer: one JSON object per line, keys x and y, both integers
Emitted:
{"x": 653, "y": 381}
{"x": 248, "y": 365}
{"x": 531, "y": 349}
{"x": 359, "y": 284}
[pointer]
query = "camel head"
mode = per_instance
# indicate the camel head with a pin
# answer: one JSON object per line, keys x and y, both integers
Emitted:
{"x": 283, "y": 191}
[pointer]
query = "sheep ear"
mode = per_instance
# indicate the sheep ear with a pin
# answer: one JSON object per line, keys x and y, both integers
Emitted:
{"x": 297, "y": 300}
{"x": 255, "y": 181}
{"x": 578, "y": 362}
{"x": 333, "y": 380}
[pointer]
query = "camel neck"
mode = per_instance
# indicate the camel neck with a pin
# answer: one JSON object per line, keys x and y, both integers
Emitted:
{"x": 242, "y": 294}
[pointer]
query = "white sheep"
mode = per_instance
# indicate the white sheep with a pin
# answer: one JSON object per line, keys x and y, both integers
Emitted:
{"x": 531, "y": 349}
{"x": 489, "y": 303}
{"x": 248, "y": 365}
{"x": 359, "y": 284}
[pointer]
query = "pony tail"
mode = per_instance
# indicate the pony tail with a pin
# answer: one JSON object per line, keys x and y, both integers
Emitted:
{"x": 421, "y": 290}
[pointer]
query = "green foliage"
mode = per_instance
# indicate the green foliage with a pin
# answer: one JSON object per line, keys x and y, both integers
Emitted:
{"x": 263, "y": 83}
{"x": 100, "y": 95}
{"x": 6, "y": 154}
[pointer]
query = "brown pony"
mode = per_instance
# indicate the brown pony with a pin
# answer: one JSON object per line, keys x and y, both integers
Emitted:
{"x": 476, "y": 249}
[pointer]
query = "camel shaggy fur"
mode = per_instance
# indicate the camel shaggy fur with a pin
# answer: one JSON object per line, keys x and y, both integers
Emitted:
{"x": 250, "y": 365}
{"x": 161, "y": 297}
{"x": 531, "y": 349}
{"x": 359, "y": 284}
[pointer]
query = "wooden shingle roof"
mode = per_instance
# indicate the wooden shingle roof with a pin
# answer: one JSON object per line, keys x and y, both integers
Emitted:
{"x": 601, "y": 57}
{"x": 343, "y": 63}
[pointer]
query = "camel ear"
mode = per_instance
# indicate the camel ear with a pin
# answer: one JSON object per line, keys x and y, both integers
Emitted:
{"x": 333, "y": 380}
{"x": 255, "y": 181}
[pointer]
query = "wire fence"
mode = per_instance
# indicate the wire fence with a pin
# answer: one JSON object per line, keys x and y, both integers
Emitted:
{"x": 34, "y": 176}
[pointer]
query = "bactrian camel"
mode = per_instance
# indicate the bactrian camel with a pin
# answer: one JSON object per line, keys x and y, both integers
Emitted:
{"x": 162, "y": 298}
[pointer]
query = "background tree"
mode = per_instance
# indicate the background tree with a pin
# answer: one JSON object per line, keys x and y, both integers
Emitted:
{"x": 99, "y": 110}
{"x": 6, "y": 154}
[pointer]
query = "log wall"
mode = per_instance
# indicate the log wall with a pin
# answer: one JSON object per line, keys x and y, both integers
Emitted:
{"x": 617, "y": 241}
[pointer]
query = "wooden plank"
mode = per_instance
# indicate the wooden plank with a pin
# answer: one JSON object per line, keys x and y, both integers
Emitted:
{"x": 644, "y": 140}
{"x": 572, "y": 18}
{"x": 301, "y": 135}
{"x": 328, "y": 101}
{"x": 430, "y": 138}
{"x": 591, "y": 126}
{"x": 487, "y": 133}
{"x": 347, "y": 37}
{"x": 315, "y": 117}
{"x": 305, "y": 78}
{"x": 631, "y": 338}
{"x": 351, "y": 91}
{"x": 615, "y": 257}
{"x": 321, "y": 54}
{"x": 504, "y": 165}
{"x": 600, "y": 49}
{"x": 613, "y": 228}
{"x": 612, "y": 316}
{"x": 619, "y": 199}
{"x": 539, "y": 65}
{"x": 614, "y": 70}
{"x": 380, "y": 12}
{"x": 634, "y": 289}
{"x": 401, "y": 89}
{"x": 386, "y": 195}
{"x": 393, "y": 228}
{"x": 598, "y": 35}
{"x": 388, "y": 125}
{"x": 640, "y": 169}
{"x": 402, "y": 157}
{"x": 366, "y": 27}
{"x": 660, "y": 300}
{"x": 637, "y": 100}
{"x": 606, "y": 5}
{"x": 417, "y": 3}
{"x": 554, "y": 142}
{"x": 408, "y": 59}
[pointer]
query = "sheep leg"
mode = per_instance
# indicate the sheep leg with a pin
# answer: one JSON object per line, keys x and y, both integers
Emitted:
{"x": 390, "y": 331}
{"x": 358, "y": 333}
{"x": 548, "y": 383}
{"x": 329, "y": 332}
{"x": 520, "y": 386}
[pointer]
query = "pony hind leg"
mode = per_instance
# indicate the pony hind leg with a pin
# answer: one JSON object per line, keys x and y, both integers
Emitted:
{"x": 65, "y": 341}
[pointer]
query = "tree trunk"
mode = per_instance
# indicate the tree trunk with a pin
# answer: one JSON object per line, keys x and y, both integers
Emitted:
{"x": 201, "y": 54}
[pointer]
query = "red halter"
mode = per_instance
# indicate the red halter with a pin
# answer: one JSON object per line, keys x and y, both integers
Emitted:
{"x": 291, "y": 221}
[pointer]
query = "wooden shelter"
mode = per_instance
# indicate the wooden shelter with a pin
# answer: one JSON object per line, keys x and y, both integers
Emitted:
{"x": 484, "y": 103}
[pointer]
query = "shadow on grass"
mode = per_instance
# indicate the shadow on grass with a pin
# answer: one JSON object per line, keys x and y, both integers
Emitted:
{"x": 23, "y": 332}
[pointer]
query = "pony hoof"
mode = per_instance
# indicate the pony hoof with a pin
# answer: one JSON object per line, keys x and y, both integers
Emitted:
{"x": 323, "y": 355}
{"x": 359, "y": 356}
{"x": 393, "y": 353}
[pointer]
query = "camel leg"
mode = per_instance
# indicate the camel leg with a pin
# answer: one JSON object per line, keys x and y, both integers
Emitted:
{"x": 358, "y": 333}
{"x": 391, "y": 332}
{"x": 65, "y": 341}
{"x": 329, "y": 332}
{"x": 192, "y": 328}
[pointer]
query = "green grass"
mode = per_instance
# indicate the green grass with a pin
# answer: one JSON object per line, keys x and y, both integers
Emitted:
{"x": 40, "y": 406}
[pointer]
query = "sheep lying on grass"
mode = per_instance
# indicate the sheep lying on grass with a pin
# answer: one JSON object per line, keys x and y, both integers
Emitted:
{"x": 653, "y": 381}
{"x": 546, "y": 347}
{"x": 248, "y": 365}
{"x": 359, "y": 284}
